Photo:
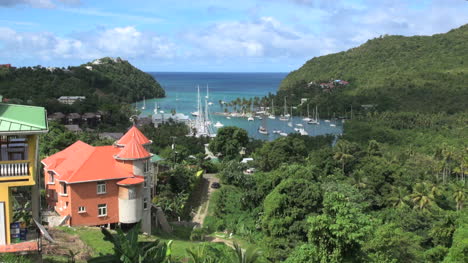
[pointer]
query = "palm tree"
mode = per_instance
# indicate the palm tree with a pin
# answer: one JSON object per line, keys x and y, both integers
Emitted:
{"x": 422, "y": 196}
{"x": 342, "y": 153}
{"x": 459, "y": 194}
{"x": 374, "y": 148}
{"x": 358, "y": 179}
{"x": 399, "y": 197}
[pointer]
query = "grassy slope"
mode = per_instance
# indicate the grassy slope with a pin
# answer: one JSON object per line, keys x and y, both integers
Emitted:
{"x": 94, "y": 239}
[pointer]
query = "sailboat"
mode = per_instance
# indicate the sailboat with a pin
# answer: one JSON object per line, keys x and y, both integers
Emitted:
{"x": 144, "y": 104}
{"x": 285, "y": 116}
{"x": 202, "y": 123}
{"x": 315, "y": 120}
{"x": 333, "y": 121}
{"x": 218, "y": 124}
{"x": 308, "y": 115}
{"x": 290, "y": 124}
{"x": 250, "y": 114}
{"x": 208, "y": 96}
{"x": 262, "y": 129}
{"x": 155, "y": 108}
{"x": 272, "y": 113}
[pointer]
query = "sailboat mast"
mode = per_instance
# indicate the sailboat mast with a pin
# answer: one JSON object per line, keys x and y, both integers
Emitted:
{"x": 198, "y": 120}
{"x": 285, "y": 107}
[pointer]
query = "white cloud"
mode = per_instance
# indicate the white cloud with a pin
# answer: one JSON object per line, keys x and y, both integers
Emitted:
{"x": 127, "y": 42}
{"x": 265, "y": 37}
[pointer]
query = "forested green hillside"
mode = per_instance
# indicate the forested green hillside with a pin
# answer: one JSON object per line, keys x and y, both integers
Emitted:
{"x": 126, "y": 80}
{"x": 422, "y": 73}
{"x": 115, "y": 79}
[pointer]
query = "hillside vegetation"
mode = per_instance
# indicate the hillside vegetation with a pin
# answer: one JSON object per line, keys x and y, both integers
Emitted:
{"x": 422, "y": 73}
{"x": 115, "y": 79}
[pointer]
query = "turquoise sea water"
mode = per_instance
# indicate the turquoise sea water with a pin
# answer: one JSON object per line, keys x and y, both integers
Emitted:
{"x": 181, "y": 95}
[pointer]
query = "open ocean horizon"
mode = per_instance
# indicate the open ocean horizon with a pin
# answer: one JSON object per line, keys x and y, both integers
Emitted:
{"x": 181, "y": 95}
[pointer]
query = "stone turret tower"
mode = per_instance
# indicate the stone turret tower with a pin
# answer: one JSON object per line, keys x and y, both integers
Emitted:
{"x": 135, "y": 157}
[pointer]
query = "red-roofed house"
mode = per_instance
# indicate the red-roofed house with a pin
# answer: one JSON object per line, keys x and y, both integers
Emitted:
{"x": 102, "y": 185}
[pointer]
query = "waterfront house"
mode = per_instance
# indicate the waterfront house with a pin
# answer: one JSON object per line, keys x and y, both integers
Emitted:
{"x": 102, "y": 185}
{"x": 20, "y": 127}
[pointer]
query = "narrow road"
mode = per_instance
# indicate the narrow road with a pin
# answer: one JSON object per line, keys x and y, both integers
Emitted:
{"x": 206, "y": 192}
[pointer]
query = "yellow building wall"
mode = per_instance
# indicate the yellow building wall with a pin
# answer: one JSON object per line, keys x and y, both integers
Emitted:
{"x": 5, "y": 192}
{"x": 5, "y": 196}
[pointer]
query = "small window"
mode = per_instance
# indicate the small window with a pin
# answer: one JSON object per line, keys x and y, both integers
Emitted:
{"x": 81, "y": 209}
{"x": 102, "y": 210}
{"x": 146, "y": 166}
{"x": 145, "y": 203}
{"x": 131, "y": 193}
{"x": 145, "y": 183}
{"x": 51, "y": 177}
{"x": 64, "y": 189}
{"x": 101, "y": 187}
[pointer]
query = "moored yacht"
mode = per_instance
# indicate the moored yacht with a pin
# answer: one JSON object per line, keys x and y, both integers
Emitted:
{"x": 262, "y": 130}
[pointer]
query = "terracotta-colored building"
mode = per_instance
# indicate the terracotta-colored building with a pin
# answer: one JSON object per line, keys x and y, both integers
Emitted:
{"x": 102, "y": 185}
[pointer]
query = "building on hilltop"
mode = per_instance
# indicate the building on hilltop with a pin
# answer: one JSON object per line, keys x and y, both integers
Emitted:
{"x": 70, "y": 99}
{"x": 6, "y": 66}
{"x": 20, "y": 127}
{"x": 102, "y": 185}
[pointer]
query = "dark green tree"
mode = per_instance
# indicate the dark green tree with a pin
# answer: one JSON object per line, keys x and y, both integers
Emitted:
{"x": 229, "y": 141}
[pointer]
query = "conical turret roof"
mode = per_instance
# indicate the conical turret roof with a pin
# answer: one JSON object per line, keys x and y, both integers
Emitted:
{"x": 135, "y": 134}
{"x": 133, "y": 150}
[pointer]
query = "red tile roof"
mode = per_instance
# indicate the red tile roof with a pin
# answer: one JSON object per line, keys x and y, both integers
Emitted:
{"x": 133, "y": 133}
{"x": 82, "y": 162}
{"x": 130, "y": 181}
{"x": 133, "y": 151}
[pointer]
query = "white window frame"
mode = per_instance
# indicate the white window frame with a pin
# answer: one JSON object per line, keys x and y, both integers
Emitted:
{"x": 81, "y": 209}
{"x": 51, "y": 178}
{"x": 102, "y": 210}
{"x": 101, "y": 187}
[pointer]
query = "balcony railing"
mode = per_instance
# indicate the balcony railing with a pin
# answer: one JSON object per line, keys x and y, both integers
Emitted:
{"x": 14, "y": 169}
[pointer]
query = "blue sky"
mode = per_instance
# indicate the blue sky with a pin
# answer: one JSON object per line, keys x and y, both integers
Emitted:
{"x": 209, "y": 35}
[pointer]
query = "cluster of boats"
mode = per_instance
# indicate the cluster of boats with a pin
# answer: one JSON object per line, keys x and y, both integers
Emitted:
{"x": 314, "y": 119}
